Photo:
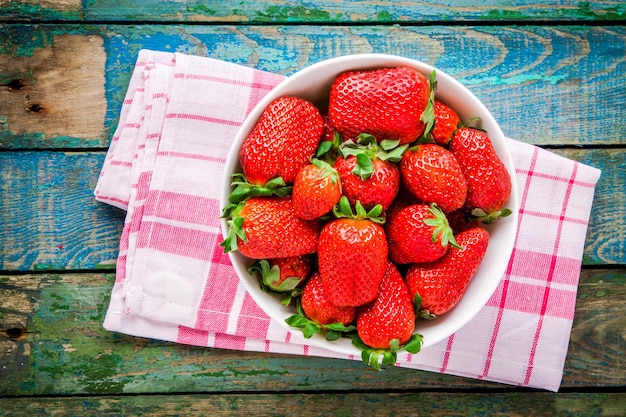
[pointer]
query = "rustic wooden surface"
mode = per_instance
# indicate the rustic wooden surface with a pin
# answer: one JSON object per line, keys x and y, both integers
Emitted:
{"x": 553, "y": 73}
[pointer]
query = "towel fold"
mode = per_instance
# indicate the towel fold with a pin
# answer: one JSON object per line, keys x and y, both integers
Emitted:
{"x": 173, "y": 282}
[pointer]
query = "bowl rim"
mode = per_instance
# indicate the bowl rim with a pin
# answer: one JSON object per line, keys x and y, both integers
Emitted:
{"x": 434, "y": 331}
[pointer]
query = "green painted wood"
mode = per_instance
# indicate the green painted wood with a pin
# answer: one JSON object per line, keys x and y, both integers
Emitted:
{"x": 52, "y": 221}
{"x": 317, "y": 11}
{"x": 546, "y": 85}
{"x": 515, "y": 404}
{"x": 58, "y": 347}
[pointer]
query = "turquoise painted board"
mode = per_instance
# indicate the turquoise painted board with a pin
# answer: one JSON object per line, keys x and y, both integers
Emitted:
{"x": 56, "y": 224}
{"x": 545, "y": 85}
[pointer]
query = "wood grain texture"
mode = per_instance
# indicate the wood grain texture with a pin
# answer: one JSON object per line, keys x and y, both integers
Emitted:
{"x": 64, "y": 350}
{"x": 56, "y": 92}
{"x": 320, "y": 11}
{"x": 50, "y": 217}
{"x": 545, "y": 85}
{"x": 52, "y": 221}
{"x": 331, "y": 404}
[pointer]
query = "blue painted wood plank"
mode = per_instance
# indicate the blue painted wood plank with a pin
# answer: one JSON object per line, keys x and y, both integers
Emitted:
{"x": 51, "y": 220}
{"x": 545, "y": 85}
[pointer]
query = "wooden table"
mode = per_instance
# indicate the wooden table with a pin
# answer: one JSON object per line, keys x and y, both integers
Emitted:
{"x": 552, "y": 72}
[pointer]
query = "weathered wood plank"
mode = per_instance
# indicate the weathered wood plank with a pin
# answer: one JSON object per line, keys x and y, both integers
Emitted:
{"x": 545, "y": 85}
{"x": 57, "y": 91}
{"x": 51, "y": 220}
{"x": 57, "y": 346}
{"x": 321, "y": 11}
{"x": 518, "y": 404}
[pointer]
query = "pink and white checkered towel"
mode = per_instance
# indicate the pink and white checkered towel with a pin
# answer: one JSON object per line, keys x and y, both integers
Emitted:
{"x": 173, "y": 282}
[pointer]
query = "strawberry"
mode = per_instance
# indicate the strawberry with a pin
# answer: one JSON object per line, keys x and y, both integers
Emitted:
{"x": 433, "y": 175}
{"x": 447, "y": 121}
{"x": 316, "y": 190}
{"x": 390, "y": 316}
{"x": 437, "y": 287}
{"x": 283, "y": 275}
{"x": 316, "y": 312}
{"x": 284, "y": 139}
{"x": 386, "y": 325}
{"x": 418, "y": 233}
{"x": 368, "y": 172}
{"x": 352, "y": 255}
{"x": 386, "y": 103}
{"x": 488, "y": 181}
{"x": 267, "y": 227}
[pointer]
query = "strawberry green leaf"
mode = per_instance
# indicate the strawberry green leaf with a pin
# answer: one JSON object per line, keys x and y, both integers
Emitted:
{"x": 364, "y": 167}
{"x": 244, "y": 190}
{"x": 442, "y": 228}
{"x": 428, "y": 115}
{"x": 395, "y": 154}
{"x": 340, "y": 327}
{"x": 414, "y": 345}
{"x": 343, "y": 208}
{"x": 487, "y": 218}
{"x": 360, "y": 210}
{"x": 366, "y": 139}
{"x": 386, "y": 357}
{"x": 270, "y": 277}
{"x": 388, "y": 145}
{"x": 309, "y": 327}
{"x": 324, "y": 148}
{"x": 236, "y": 229}
{"x": 417, "y": 301}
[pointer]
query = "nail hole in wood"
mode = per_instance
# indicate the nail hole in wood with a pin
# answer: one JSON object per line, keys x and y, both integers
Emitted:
{"x": 35, "y": 108}
{"x": 14, "y": 333}
{"x": 16, "y": 85}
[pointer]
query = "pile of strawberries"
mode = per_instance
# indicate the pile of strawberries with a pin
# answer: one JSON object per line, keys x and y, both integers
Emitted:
{"x": 368, "y": 214}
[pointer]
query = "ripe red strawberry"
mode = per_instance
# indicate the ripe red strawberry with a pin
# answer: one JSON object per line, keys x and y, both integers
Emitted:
{"x": 316, "y": 190}
{"x": 282, "y": 142}
{"x": 379, "y": 188}
{"x": 489, "y": 183}
{"x": 283, "y": 275}
{"x": 390, "y": 316}
{"x": 438, "y": 287}
{"x": 386, "y": 103}
{"x": 368, "y": 172}
{"x": 433, "y": 175}
{"x": 447, "y": 121}
{"x": 418, "y": 233}
{"x": 267, "y": 227}
{"x": 352, "y": 255}
{"x": 385, "y": 326}
{"x": 318, "y": 307}
{"x": 316, "y": 312}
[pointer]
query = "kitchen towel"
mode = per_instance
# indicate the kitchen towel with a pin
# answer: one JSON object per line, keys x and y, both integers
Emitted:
{"x": 165, "y": 165}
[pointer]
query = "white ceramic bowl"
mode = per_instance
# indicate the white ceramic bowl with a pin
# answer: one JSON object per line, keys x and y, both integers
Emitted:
{"x": 313, "y": 83}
